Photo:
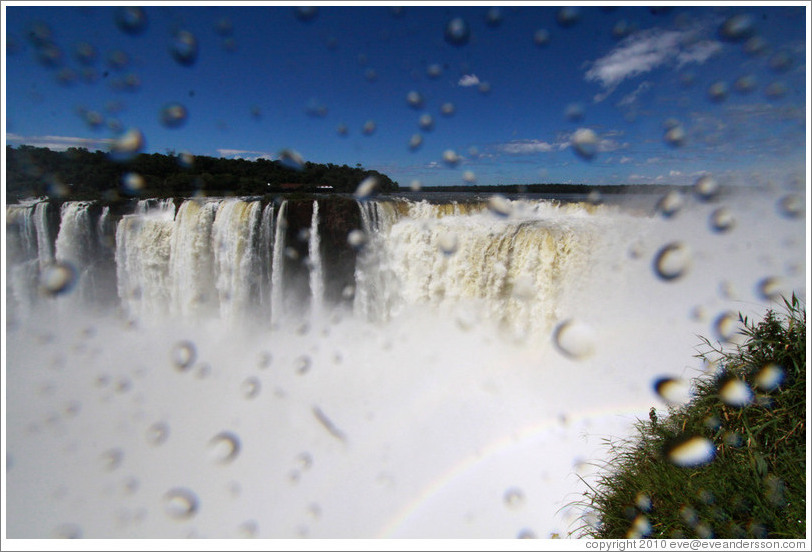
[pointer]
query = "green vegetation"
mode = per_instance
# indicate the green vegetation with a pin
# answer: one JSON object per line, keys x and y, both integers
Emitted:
{"x": 755, "y": 485}
{"x": 79, "y": 174}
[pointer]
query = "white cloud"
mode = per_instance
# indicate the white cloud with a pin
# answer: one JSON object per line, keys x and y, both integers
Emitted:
{"x": 527, "y": 147}
{"x": 646, "y": 50}
{"x": 630, "y": 98}
{"x": 248, "y": 155}
{"x": 60, "y": 143}
{"x": 624, "y": 160}
{"x": 698, "y": 52}
{"x": 469, "y": 80}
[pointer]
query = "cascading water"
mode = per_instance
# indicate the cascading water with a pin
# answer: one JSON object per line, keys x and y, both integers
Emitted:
{"x": 143, "y": 243}
{"x": 277, "y": 266}
{"x": 45, "y": 245}
{"x": 266, "y": 230}
{"x": 236, "y": 256}
{"x": 426, "y": 411}
{"x": 316, "y": 269}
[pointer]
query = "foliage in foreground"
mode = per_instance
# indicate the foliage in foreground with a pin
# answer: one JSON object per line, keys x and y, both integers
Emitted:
{"x": 755, "y": 484}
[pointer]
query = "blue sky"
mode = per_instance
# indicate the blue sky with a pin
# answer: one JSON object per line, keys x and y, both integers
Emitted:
{"x": 659, "y": 95}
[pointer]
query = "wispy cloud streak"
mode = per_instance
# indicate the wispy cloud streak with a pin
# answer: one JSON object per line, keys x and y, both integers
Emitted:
{"x": 60, "y": 143}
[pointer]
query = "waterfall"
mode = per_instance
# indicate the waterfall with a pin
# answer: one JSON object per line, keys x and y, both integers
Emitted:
{"x": 265, "y": 249}
{"x": 226, "y": 257}
{"x": 143, "y": 243}
{"x": 315, "y": 265}
{"x": 45, "y": 245}
{"x": 76, "y": 246}
{"x": 236, "y": 256}
{"x": 514, "y": 271}
{"x": 374, "y": 293}
{"x": 22, "y": 263}
{"x": 277, "y": 265}
{"x": 191, "y": 260}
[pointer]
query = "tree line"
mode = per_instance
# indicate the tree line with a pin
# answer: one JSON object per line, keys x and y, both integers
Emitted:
{"x": 80, "y": 174}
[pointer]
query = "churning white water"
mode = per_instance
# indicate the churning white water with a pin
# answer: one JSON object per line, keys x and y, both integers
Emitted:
{"x": 460, "y": 388}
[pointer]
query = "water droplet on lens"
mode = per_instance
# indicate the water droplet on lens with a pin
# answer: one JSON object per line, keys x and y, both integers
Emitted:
{"x": 469, "y": 177}
{"x": 745, "y": 84}
{"x": 675, "y": 136}
{"x": 447, "y": 242}
{"x": 641, "y": 527}
{"x": 248, "y": 529}
{"x": 414, "y": 99}
{"x": 415, "y": 185}
{"x": 57, "y": 278}
{"x": 775, "y": 90}
{"x": 306, "y": 14}
{"x": 415, "y": 141}
{"x": 717, "y": 92}
{"x": 672, "y": 261}
{"x": 157, "y": 433}
{"x": 369, "y": 128}
{"x": 568, "y": 16}
{"x": 722, "y": 220}
{"x": 755, "y": 46}
{"x": 769, "y": 377}
{"x": 513, "y": 498}
{"x": 173, "y": 115}
{"x": 781, "y": 62}
{"x": 184, "y": 48}
{"x": 574, "y": 339}
{"x": 366, "y": 188}
{"x": 291, "y": 159}
{"x": 131, "y": 20}
{"x": 302, "y": 364}
{"x": 499, "y": 205}
{"x": 673, "y": 391}
{"x": 450, "y": 157}
{"x": 132, "y": 183}
{"x": 541, "y": 37}
{"x": 447, "y": 109}
{"x": 85, "y": 53}
{"x": 643, "y": 502}
{"x": 737, "y": 28}
{"x": 735, "y": 392}
{"x": 575, "y": 113}
{"x": 494, "y": 17}
{"x": 434, "y": 71}
{"x": 457, "y": 32}
{"x": 771, "y": 288}
{"x": 67, "y": 531}
{"x": 670, "y": 203}
{"x": 186, "y": 160}
{"x": 726, "y": 326}
{"x": 691, "y": 452}
{"x": 180, "y": 503}
{"x": 224, "y": 447}
{"x": 183, "y": 354}
{"x": 426, "y": 122}
{"x": 356, "y": 238}
{"x": 128, "y": 145}
{"x": 250, "y": 387}
{"x": 706, "y": 187}
{"x": 791, "y": 206}
{"x": 342, "y": 129}
{"x": 111, "y": 459}
{"x": 622, "y": 29}
{"x": 585, "y": 143}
